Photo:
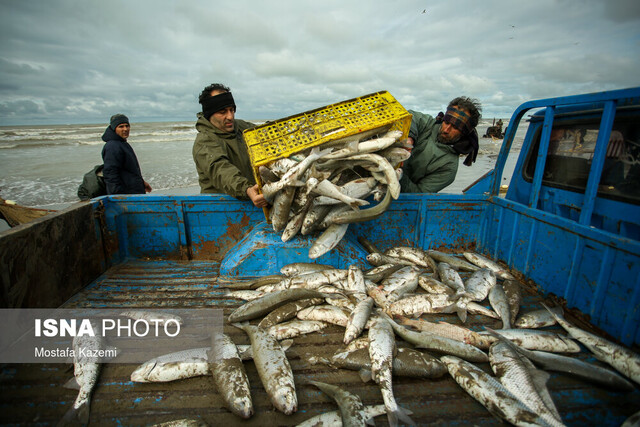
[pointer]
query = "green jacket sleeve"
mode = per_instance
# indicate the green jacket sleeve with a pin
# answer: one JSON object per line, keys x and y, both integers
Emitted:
{"x": 223, "y": 174}
{"x": 431, "y": 183}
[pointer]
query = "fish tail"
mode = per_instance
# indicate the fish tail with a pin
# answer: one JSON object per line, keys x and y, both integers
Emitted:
{"x": 461, "y": 310}
{"x": 76, "y": 416}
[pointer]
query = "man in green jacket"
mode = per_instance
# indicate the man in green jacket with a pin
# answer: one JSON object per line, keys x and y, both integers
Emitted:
{"x": 219, "y": 151}
{"x": 437, "y": 146}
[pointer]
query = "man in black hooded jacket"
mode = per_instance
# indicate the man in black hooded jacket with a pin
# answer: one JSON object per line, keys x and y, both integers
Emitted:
{"x": 121, "y": 168}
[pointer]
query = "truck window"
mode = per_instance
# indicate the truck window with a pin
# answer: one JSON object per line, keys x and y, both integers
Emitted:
{"x": 570, "y": 154}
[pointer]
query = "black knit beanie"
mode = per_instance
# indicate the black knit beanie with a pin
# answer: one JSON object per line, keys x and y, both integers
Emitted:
{"x": 118, "y": 119}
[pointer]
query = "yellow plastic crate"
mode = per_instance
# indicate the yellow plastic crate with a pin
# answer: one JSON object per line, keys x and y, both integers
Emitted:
{"x": 283, "y": 137}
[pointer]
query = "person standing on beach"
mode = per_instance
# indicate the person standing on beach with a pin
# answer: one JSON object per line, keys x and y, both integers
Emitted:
{"x": 121, "y": 170}
{"x": 433, "y": 164}
{"x": 219, "y": 151}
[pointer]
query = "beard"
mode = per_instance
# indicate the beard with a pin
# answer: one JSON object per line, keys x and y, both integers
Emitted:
{"x": 447, "y": 139}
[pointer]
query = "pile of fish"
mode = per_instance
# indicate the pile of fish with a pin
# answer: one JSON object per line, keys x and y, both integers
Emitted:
{"x": 323, "y": 190}
{"x": 386, "y": 335}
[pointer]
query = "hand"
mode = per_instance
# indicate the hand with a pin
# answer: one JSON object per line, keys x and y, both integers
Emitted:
{"x": 257, "y": 198}
{"x": 147, "y": 187}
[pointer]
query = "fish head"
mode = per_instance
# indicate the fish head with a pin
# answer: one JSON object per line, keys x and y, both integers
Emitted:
{"x": 143, "y": 372}
{"x": 286, "y": 399}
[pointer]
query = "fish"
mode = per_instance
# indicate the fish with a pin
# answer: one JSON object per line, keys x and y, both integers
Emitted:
{"x": 297, "y": 268}
{"x": 406, "y": 276}
{"x": 407, "y": 362}
{"x": 183, "y": 364}
{"x": 450, "y": 277}
{"x": 490, "y": 393}
{"x": 378, "y": 273}
{"x": 229, "y": 375}
{"x": 328, "y": 189}
{"x": 537, "y": 318}
{"x": 334, "y": 418}
{"x": 433, "y": 285}
{"x": 414, "y": 255}
{"x": 358, "y": 319}
{"x": 440, "y": 344}
{"x": 86, "y": 370}
{"x": 382, "y": 347}
{"x": 325, "y": 313}
{"x": 294, "y": 328}
{"x": 328, "y": 240}
{"x": 357, "y": 189}
{"x": 245, "y": 294}
{"x": 314, "y": 217}
{"x": 287, "y": 311}
{"x": 535, "y": 339}
{"x": 261, "y": 306}
{"x": 513, "y": 291}
{"x": 622, "y": 359}
{"x": 477, "y": 288}
{"x": 294, "y": 173}
{"x": 453, "y": 261}
{"x": 393, "y": 184}
{"x": 498, "y": 300}
{"x": 578, "y": 369}
{"x": 368, "y": 245}
{"x": 295, "y": 224}
{"x": 448, "y": 330}
{"x": 379, "y": 259}
{"x": 173, "y": 366}
{"x": 351, "y": 408}
{"x": 273, "y": 368}
{"x": 183, "y": 422}
{"x": 418, "y": 304}
{"x": 348, "y": 217}
{"x": 281, "y": 208}
{"x": 355, "y": 282}
{"x": 314, "y": 280}
{"x": 523, "y": 379}
{"x": 484, "y": 262}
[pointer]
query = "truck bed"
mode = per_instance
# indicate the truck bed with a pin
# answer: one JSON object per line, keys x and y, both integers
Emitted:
{"x": 34, "y": 394}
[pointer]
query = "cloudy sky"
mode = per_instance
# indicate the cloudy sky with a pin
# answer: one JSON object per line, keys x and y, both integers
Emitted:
{"x": 81, "y": 61}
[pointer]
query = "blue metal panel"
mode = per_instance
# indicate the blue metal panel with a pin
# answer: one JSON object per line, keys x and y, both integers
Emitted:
{"x": 595, "y": 271}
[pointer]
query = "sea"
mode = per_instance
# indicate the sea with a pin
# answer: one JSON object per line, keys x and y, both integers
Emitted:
{"x": 42, "y": 166}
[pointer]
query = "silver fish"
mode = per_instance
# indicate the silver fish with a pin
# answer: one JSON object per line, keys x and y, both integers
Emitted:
{"x": 297, "y": 268}
{"x": 351, "y": 407}
{"x": 434, "y": 286}
{"x": 357, "y": 189}
{"x": 281, "y": 208}
{"x": 491, "y": 393}
{"x": 535, "y": 339}
{"x": 455, "y": 262}
{"x": 261, "y": 306}
{"x": 450, "y": 277}
{"x": 328, "y": 189}
{"x": 86, "y": 369}
{"x": 316, "y": 279}
{"x": 448, "y": 330}
{"x": 439, "y": 343}
{"x": 382, "y": 347}
{"x": 287, "y": 311}
{"x": 498, "y": 300}
{"x": 513, "y": 291}
{"x": 537, "y": 318}
{"x": 379, "y": 259}
{"x": 328, "y": 240}
{"x": 406, "y": 276}
{"x": 407, "y": 362}
{"x": 418, "y": 304}
{"x": 415, "y": 255}
{"x": 173, "y": 366}
{"x": 484, "y": 262}
{"x": 524, "y": 380}
{"x": 325, "y": 313}
{"x": 295, "y": 224}
{"x": 578, "y": 369}
{"x": 350, "y": 216}
{"x": 622, "y": 359}
{"x": 334, "y": 418}
{"x": 273, "y": 367}
{"x": 229, "y": 375}
{"x": 314, "y": 217}
{"x": 393, "y": 184}
{"x": 358, "y": 319}
{"x": 293, "y": 174}
{"x": 355, "y": 282}
{"x": 295, "y": 328}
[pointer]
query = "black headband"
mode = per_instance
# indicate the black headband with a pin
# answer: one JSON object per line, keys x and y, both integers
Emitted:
{"x": 216, "y": 103}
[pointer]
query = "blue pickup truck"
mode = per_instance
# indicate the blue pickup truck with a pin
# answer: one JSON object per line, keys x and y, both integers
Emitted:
{"x": 568, "y": 227}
